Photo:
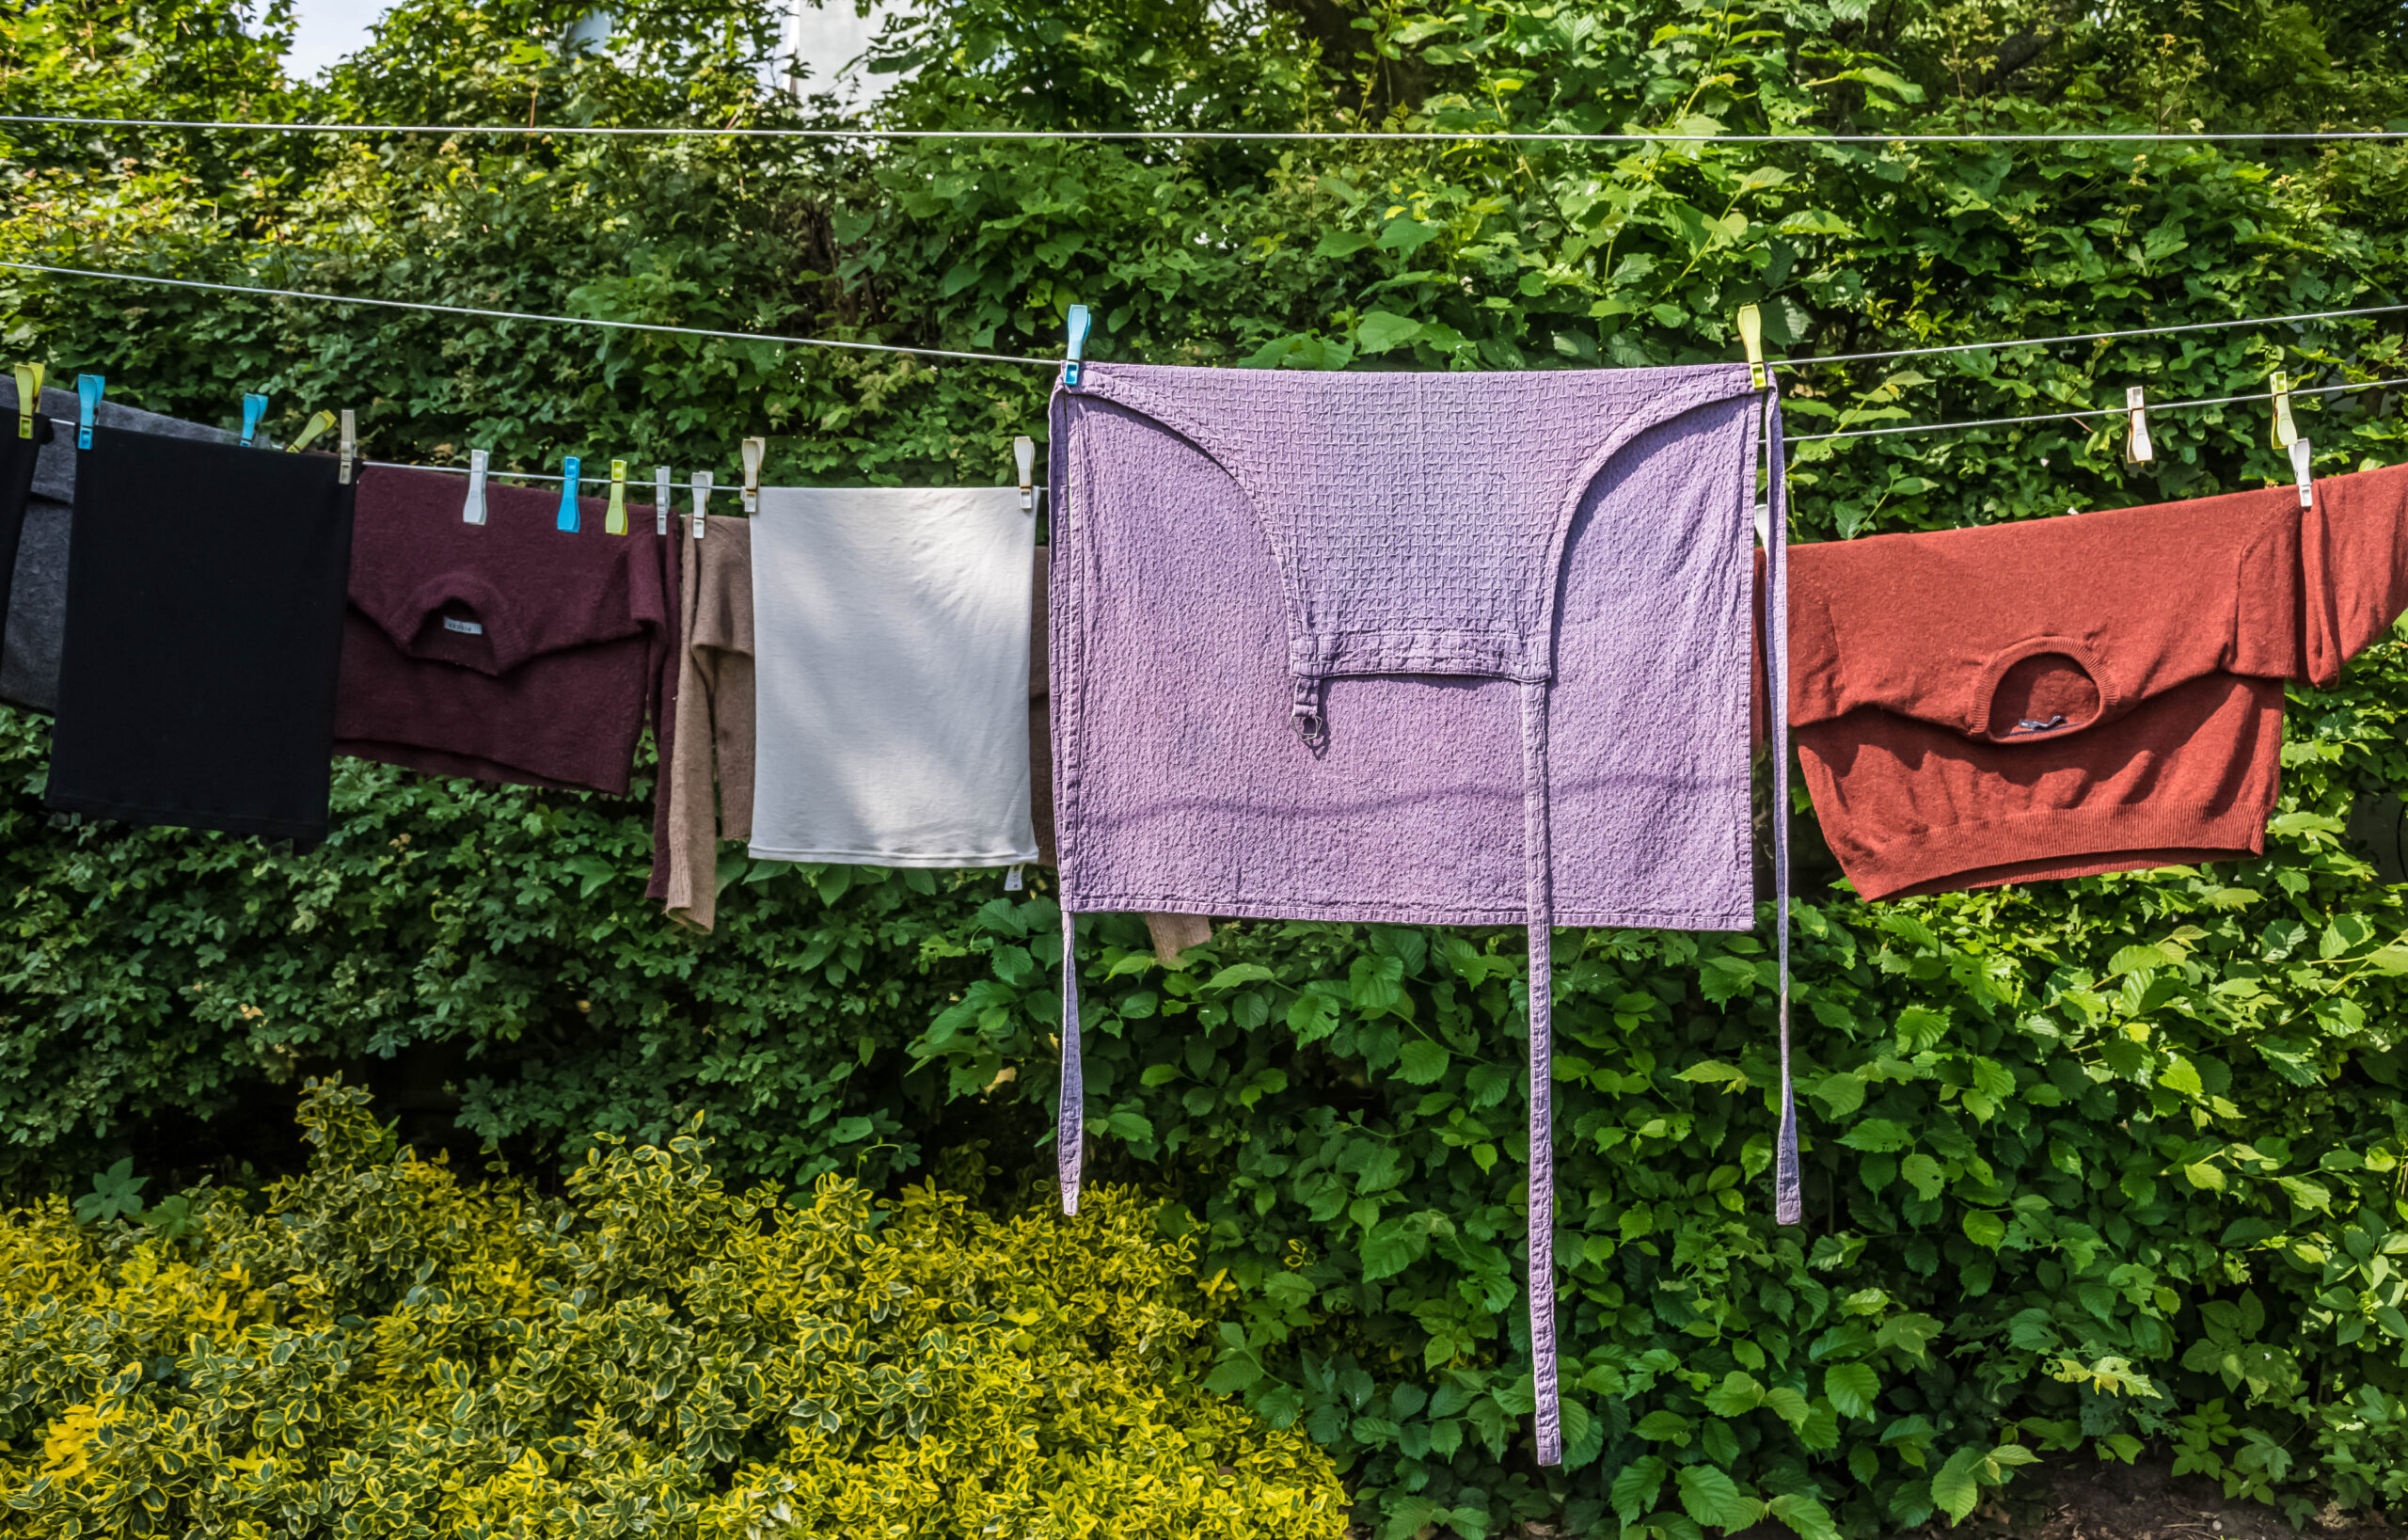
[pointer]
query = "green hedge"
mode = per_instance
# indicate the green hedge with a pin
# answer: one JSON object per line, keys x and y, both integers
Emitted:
{"x": 2092, "y": 1166}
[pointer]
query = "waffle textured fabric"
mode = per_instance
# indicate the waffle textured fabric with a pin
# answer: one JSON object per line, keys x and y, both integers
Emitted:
{"x": 22, "y": 443}
{"x": 509, "y": 651}
{"x": 2089, "y": 693}
{"x": 890, "y": 672}
{"x": 711, "y": 775}
{"x": 37, "y": 580}
{"x": 204, "y": 621}
{"x": 1421, "y": 648}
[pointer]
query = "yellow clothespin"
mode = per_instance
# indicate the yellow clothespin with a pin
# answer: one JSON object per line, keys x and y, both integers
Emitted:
{"x": 1025, "y": 456}
{"x": 319, "y": 422}
{"x": 2284, "y": 430}
{"x": 348, "y": 450}
{"x": 28, "y": 398}
{"x": 2137, "y": 448}
{"x": 1752, "y": 337}
{"x": 615, "y": 518}
{"x": 753, "y": 450}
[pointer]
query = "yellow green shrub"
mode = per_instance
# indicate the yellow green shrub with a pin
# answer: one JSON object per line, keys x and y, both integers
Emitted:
{"x": 378, "y": 1348}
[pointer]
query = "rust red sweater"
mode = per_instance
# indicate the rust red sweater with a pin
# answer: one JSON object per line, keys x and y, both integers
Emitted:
{"x": 2090, "y": 693}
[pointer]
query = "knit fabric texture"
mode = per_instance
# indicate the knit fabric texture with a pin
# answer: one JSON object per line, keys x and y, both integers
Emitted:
{"x": 710, "y": 774}
{"x": 1452, "y": 649}
{"x": 2089, "y": 693}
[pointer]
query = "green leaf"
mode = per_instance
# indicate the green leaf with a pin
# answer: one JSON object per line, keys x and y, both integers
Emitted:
{"x": 1712, "y": 1498}
{"x": 1665, "y": 1427}
{"x": 1878, "y": 1137}
{"x": 1953, "y": 1487}
{"x": 1379, "y": 331}
{"x": 1851, "y": 1388}
{"x": 1636, "y": 1484}
{"x": 1740, "y": 1392}
{"x": 1239, "y": 972}
{"x": 1422, "y": 1062}
{"x": 1923, "y": 1174}
{"x": 1984, "y": 1229}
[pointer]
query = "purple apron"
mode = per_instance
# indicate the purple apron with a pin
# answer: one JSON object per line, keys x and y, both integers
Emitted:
{"x": 1427, "y": 649}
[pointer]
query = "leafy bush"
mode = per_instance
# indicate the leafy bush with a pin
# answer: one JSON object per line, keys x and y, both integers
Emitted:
{"x": 378, "y": 1347}
{"x": 2094, "y": 1166}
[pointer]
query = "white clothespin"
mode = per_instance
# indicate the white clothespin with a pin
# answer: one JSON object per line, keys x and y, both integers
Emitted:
{"x": 254, "y": 408}
{"x": 28, "y": 398}
{"x": 567, "y": 522}
{"x": 2137, "y": 448}
{"x": 1079, "y": 322}
{"x": 1752, "y": 337}
{"x": 1763, "y": 525}
{"x": 614, "y": 519}
{"x": 753, "y": 450}
{"x": 473, "y": 510}
{"x": 661, "y": 500}
{"x": 347, "y": 448}
{"x": 1025, "y": 452}
{"x": 2299, "y": 470}
{"x": 2284, "y": 432}
{"x": 702, "y": 487}
{"x": 88, "y": 388}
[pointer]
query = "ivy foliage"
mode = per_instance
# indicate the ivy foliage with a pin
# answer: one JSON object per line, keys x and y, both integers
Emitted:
{"x": 376, "y": 1346}
{"x": 2093, "y": 1166}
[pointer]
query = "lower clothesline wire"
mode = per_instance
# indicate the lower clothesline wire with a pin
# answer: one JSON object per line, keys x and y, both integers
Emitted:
{"x": 2070, "y": 415}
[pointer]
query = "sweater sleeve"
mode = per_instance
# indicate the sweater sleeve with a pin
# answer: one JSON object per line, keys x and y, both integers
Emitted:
{"x": 2353, "y": 569}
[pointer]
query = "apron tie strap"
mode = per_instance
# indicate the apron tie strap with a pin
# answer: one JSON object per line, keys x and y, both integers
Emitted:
{"x": 1787, "y": 1206}
{"x": 1070, "y": 1127}
{"x": 1547, "y": 1397}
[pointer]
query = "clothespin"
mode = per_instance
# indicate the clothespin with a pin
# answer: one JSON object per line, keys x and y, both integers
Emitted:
{"x": 348, "y": 449}
{"x": 88, "y": 397}
{"x": 254, "y": 407}
{"x": 1011, "y": 877}
{"x": 753, "y": 450}
{"x": 1080, "y": 320}
{"x": 614, "y": 520}
{"x": 473, "y": 510}
{"x": 1752, "y": 337}
{"x": 702, "y": 489}
{"x": 2299, "y": 470}
{"x": 2284, "y": 430}
{"x": 1763, "y": 525}
{"x": 567, "y": 523}
{"x": 661, "y": 500}
{"x": 320, "y": 422}
{"x": 28, "y": 398}
{"x": 1025, "y": 454}
{"x": 2137, "y": 448}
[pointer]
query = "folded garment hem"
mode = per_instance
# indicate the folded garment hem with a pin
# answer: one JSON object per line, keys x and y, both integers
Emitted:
{"x": 188, "y": 818}
{"x": 460, "y": 765}
{"x": 891, "y": 857}
{"x": 1378, "y": 912}
{"x": 1988, "y": 855}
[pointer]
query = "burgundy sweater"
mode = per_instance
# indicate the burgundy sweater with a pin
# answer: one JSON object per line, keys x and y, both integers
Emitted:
{"x": 507, "y": 651}
{"x": 2090, "y": 693}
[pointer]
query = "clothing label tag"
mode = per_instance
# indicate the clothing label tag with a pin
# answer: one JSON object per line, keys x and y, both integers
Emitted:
{"x": 1012, "y": 881}
{"x": 465, "y": 628}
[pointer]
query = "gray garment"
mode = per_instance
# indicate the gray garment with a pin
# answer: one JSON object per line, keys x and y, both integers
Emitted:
{"x": 37, "y": 595}
{"x": 889, "y": 636}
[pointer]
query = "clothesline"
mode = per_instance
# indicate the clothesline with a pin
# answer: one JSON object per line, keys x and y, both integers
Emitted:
{"x": 1262, "y": 136}
{"x": 2078, "y": 412}
{"x": 1936, "y": 350}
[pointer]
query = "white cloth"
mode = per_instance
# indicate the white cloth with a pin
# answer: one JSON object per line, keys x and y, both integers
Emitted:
{"x": 890, "y": 631}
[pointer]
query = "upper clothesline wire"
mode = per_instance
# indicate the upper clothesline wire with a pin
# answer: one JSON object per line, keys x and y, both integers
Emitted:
{"x": 2069, "y": 414}
{"x": 1264, "y": 136}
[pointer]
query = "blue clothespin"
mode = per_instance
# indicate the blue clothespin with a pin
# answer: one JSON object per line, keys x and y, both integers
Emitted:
{"x": 88, "y": 392}
{"x": 254, "y": 407}
{"x": 568, "y": 495}
{"x": 1079, "y": 323}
